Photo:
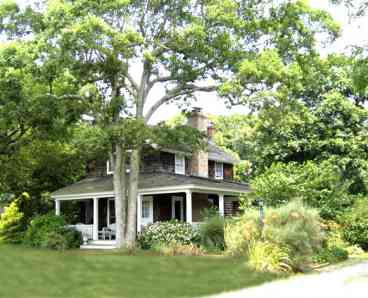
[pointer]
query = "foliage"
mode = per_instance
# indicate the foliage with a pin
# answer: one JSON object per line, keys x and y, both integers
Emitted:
{"x": 355, "y": 224}
{"x": 29, "y": 110}
{"x": 85, "y": 56}
{"x": 12, "y": 224}
{"x": 241, "y": 231}
{"x": 40, "y": 167}
{"x": 40, "y": 227}
{"x": 49, "y": 231}
{"x": 333, "y": 129}
{"x": 176, "y": 249}
{"x": 295, "y": 227}
{"x": 236, "y": 133}
{"x": 243, "y": 171}
{"x": 166, "y": 232}
{"x": 332, "y": 254}
{"x": 269, "y": 257}
{"x": 321, "y": 186}
{"x": 211, "y": 231}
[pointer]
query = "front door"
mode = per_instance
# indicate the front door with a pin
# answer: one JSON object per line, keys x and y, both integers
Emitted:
{"x": 177, "y": 210}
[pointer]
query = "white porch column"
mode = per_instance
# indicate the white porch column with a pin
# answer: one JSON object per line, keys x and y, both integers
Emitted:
{"x": 95, "y": 219}
{"x": 221, "y": 204}
{"x": 139, "y": 213}
{"x": 57, "y": 207}
{"x": 188, "y": 201}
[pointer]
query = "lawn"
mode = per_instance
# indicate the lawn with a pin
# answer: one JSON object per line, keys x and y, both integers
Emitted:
{"x": 35, "y": 273}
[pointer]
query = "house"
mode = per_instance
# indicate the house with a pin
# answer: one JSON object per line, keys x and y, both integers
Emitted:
{"x": 173, "y": 185}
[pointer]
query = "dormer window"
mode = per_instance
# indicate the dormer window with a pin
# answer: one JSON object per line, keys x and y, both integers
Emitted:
{"x": 179, "y": 164}
{"x": 219, "y": 170}
{"x": 110, "y": 167}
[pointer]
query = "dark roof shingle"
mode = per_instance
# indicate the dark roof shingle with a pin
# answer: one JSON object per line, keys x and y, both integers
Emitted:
{"x": 147, "y": 181}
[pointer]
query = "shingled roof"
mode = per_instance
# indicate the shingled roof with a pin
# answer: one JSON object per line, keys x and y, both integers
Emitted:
{"x": 149, "y": 181}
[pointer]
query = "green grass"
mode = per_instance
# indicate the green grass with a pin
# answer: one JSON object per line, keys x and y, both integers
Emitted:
{"x": 31, "y": 273}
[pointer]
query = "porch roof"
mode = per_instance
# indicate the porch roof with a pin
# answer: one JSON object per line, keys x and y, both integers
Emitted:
{"x": 150, "y": 181}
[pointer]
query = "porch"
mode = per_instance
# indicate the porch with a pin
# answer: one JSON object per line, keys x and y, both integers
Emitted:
{"x": 161, "y": 197}
{"x": 95, "y": 217}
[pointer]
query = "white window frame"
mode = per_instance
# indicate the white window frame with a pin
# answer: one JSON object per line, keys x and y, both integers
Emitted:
{"x": 219, "y": 170}
{"x": 179, "y": 164}
{"x": 147, "y": 202}
{"x": 109, "y": 170}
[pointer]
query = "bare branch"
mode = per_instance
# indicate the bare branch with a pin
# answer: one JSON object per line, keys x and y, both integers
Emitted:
{"x": 176, "y": 92}
{"x": 131, "y": 81}
{"x": 161, "y": 80}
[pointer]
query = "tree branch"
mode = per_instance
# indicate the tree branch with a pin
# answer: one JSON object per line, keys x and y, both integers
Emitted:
{"x": 131, "y": 81}
{"x": 176, "y": 92}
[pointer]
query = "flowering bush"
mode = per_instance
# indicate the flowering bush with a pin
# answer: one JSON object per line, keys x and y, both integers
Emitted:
{"x": 166, "y": 233}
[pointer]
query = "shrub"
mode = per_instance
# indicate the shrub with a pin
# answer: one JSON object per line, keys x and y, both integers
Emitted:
{"x": 11, "y": 224}
{"x": 166, "y": 232}
{"x": 211, "y": 231}
{"x": 49, "y": 231}
{"x": 241, "y": 231}
{"x": 295, "y": 227}
{"x": 319, "y": 185}
{"x": 40, "y": 227}
{"x": 355, "y": 224}
{"x": 55, "y": 240}
{"x": 177, "y": 249}
{"x": 266, "y": 256}
{"x": 332, "y": 254}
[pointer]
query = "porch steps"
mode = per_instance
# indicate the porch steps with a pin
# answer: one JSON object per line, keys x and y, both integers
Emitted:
{"x": 99, "y": 244}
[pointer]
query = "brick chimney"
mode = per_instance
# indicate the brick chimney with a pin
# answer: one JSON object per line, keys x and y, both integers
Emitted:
{"x": 199, "y": 164}
{"x": 211, "y": 130}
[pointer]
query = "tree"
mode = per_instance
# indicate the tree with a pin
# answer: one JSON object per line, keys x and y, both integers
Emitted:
{"x": 118, "y": 52}
{"x": 355, "y": 7}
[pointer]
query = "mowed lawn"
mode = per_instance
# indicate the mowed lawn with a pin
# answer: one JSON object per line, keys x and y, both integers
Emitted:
{"x": 26, "y": 272}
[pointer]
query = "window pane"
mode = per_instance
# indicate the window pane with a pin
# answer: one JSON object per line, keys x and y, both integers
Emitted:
{"x": 179, "y": 164}
{"x": 145, "y": 209}
{"x": 219, "y": 170}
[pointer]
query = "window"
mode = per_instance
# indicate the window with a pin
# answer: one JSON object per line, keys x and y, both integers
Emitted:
{"x": 146, "y": 209}
{"x": 179, "y": 164}
{"x": 219, "y": 170}
{"x": 109, "y": 167}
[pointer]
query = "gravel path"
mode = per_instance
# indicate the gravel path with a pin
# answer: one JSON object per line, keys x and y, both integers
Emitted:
{"x": 347, "y": 282}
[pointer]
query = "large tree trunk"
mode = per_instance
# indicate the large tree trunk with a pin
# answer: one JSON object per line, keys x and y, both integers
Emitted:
{"x": 135, "y": 162}
{"x": 132, "y": 201}
{"x": 119, "y": 182}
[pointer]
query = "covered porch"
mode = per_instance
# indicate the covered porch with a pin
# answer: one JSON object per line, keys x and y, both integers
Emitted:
{"x": 159, "y": 199}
